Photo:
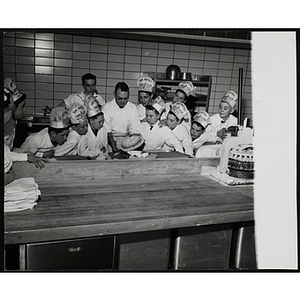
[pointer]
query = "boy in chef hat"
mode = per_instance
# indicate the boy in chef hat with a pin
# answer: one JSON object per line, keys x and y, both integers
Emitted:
{"x": 176, "y": 115}
{"x": 185, "y": 89}
{"x": 79, "y": 128}
{"x": 44, "y": 143}
{"x": 224, "y": 118}
{"x": 146, "y": 86}
{"x": 219, "y": 123}
{"x": 157, "y": 136}
{"x": 198, "y": 130}
{"x": 18, "y": 101}
{"x": 94, "y": 143}
{"x": 9, "y": 156}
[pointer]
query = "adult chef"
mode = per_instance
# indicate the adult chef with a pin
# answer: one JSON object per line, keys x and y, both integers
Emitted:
{"x": 121, "y": 117}
{"x": 88, "y": 82}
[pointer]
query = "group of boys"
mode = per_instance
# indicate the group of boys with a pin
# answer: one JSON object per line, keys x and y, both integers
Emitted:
{"x": 85, "y": 125}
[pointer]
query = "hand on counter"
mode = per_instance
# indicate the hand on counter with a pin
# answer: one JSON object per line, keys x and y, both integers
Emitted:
{"x": 38, "y": 161}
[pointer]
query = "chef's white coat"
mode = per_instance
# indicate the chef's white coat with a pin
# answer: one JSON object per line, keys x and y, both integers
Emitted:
{"x": 184, "y": 137}
{"x": 198, "y": 142}
{"x": 10, "y": 132}
{"x": 141, "y": 111}
{"x": 79, "y": 99}
{"x": 10, "y": 157}
{"x": 216, "y": 125}
{"x": 69, "y": 147}
{"x": 91, "y": 143}
{"x": 121, "y": 121}
{"x": 158, "y": 136}
{"x": 37, "y": 143}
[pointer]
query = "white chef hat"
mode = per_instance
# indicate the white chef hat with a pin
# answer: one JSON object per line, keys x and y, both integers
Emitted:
{"x": 187, "y": 87}
{"x": 77, "y": 114}
{"x": 92, "y": 105}
{"x": 159, "y": 104}
{"x": 231, "y": 98}
{"x": 59, "y": 118}
{"x": 202, "y": 118}
{"x": 145, "y": 84}
{"x": 180, "y": 111}
{"x": 11, "y": 87}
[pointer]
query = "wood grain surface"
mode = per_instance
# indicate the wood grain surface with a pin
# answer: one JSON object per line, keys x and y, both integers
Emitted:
{"x": 72, "y": 206}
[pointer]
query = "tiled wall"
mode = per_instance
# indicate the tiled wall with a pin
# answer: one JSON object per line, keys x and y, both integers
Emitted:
{"x": 49, "y": 66}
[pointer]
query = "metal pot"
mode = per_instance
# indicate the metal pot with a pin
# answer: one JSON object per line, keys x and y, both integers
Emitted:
{"x": 185, "y": 76}
{"x": 172, "y": 72}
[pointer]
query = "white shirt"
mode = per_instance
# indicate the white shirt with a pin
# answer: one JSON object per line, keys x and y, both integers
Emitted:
{"x": 198, "y": 142}
{"x": 184, "y": 137}
{"x": 141, "y": 111}
{"x": 69, "y": 147}
{"x": 91, "y": 143}
{"x": 37, "y": 143}
{"x": 79, "y": 99}
{"x": 9, "y": 133}
{"x": 10, "y": 157}
{"x": 216, "y": 124}
{"x": 121, "y": 121}
{"x": 158, "y": 136}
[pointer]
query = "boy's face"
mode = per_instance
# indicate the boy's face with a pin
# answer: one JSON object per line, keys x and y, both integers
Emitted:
{"x": 19, "y": 110}
{"x": 89, "y": 86}
{"x": 60, "y": 138}
{"x": 196, "y": 131}
{"x": 121, "y": 98}
{"x": 224, "y": 110}
{"x": 97, "y": 122}
{"x": 81, "y": 128}
{"x": 144, "y": 98}
{"x": 151, "y": 117}
{"x": 179, "y": 97}
{"x": 172, "y": 121}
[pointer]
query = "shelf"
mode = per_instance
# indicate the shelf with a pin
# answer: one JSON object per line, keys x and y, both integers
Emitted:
{"x": 204, "y": 81}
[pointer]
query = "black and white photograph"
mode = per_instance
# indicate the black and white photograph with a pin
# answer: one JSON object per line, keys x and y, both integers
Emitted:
{"x": 145, "y": 151}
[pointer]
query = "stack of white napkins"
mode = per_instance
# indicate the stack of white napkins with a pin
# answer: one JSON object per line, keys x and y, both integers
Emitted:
{"x": 21, "y": 194}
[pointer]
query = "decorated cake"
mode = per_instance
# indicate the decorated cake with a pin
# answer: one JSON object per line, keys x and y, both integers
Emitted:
{"x": 131, "y": 142}
{"x": 241, "y": 161}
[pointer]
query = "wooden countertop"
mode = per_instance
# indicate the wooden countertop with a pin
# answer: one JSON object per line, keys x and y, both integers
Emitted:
{"x": 119, "y": 197}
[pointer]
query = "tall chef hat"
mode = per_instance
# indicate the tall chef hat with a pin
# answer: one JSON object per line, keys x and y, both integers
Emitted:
{"x": 231, "y": 98}
{"x": 92, "y": 105}
{"x": 159, "y": 104}
{"x": 180, "y": 111}
{"x": 77, "y": 114}
{"x": 202, "y": 118}
{"x": 11, "y": 87}
{"x": 59, "y": 118}
{"x": 187, "y": 87}
{"x": 145, "y": 84}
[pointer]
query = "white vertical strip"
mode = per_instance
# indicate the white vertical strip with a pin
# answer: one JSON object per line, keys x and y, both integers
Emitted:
{"x": 274, "y": 101}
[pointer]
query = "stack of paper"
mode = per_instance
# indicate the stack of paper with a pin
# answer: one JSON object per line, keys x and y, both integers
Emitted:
{"x": 21, "y": 194}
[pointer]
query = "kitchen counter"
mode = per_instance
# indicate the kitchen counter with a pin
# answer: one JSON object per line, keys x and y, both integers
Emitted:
{"x": 87, "y": 198}
{"x": 82, "y": 199}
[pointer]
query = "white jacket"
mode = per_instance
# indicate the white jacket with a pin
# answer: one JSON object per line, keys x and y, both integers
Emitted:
{"x": 158, "y": 136}
{"x": 37, "y": 143}
{"x": 121, "y": 121}
{"x": 79, "y": 98}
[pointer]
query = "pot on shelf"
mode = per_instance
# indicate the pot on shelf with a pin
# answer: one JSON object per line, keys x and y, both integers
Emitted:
{"x": 185, "y": 76}
{"x": 172, "y": 72}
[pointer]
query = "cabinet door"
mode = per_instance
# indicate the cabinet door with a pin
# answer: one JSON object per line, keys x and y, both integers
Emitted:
{"x": 82, "y": 254}
{"x": 202, "y": 248}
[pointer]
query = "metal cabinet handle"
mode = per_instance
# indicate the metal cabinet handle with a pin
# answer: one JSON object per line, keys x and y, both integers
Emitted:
{"x": 74, "y": 249}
